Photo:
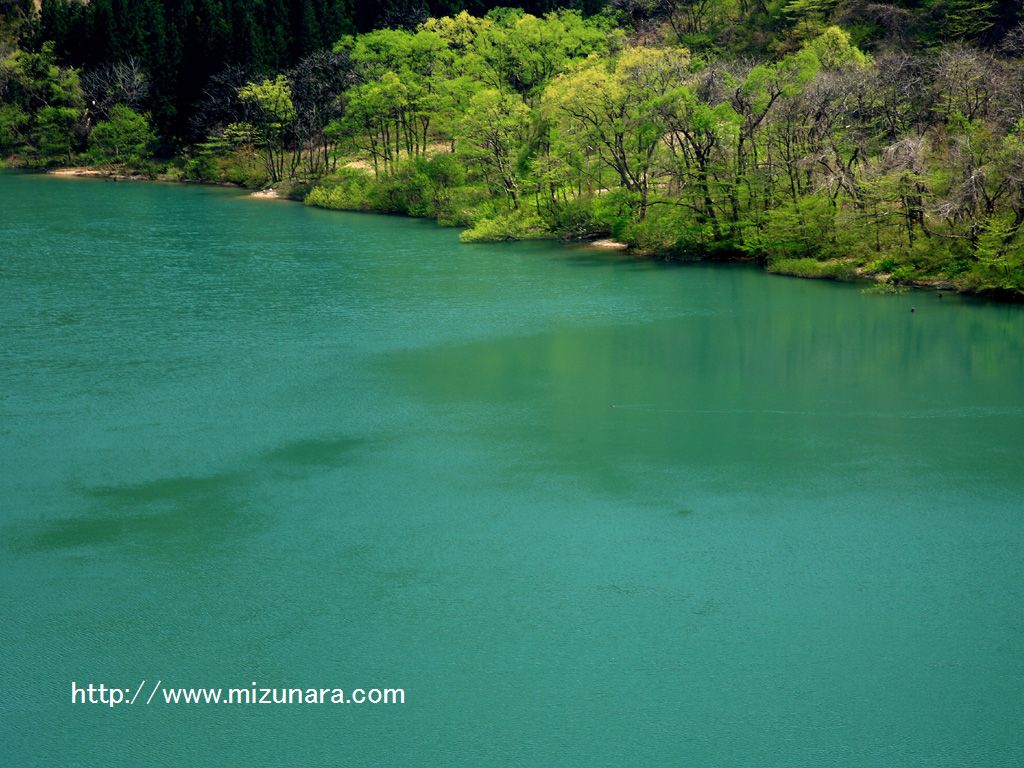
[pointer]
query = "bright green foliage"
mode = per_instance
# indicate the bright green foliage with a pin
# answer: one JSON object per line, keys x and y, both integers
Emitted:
{"x": 13, "y": 122}
{"x": 513, "y": 225}
{"x": 459, "y": 32}
{"x": 491, "y": 137}
{"x": 833, "y": 50}
{"x": 698, "y": 132}
{"x": 124, "y": 138}
{"x": 409, "y": 85}
{"x": 814, "y": 8}
{"x": 524, "y": 52}
{"x": 834, "y": 269}
{"x": 1000, "y": 257}
{"x": 44, "y": 110}
{"x": 345, "y": 190}
{"x": 271, "y": 113}
{"x": 272, "y": 103}
{"x": 54, "y": 133}
{"x": 380, "y": 110}
{"x": 802, "y": 229}
{"x": 418, "y": 187}
{"x": 222, "y": 161}
{"x": 964, "y": 19}
{"x": 620, "y": 111}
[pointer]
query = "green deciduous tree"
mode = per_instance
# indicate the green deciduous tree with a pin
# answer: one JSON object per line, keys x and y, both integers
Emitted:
{"x": 271, "y": 113}
{"x": 13, "y": 122}
{"x": 621, "y": 111}
{"x": 124, "y": 138}
{"x": 492, "y": 135}
{"x": 45, "y": 106}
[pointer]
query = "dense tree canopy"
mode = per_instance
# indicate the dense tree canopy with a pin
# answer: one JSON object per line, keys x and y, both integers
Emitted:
{"x": 182, "y": 43}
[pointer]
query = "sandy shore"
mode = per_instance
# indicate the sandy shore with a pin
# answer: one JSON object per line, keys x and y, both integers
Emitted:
{"x": 96, "y": 173}
{"x": 75, "y": 172}
{"x": 608, "y": 244}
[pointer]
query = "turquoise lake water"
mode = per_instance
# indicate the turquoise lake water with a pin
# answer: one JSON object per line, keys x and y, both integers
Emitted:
{"x": 586, "y": 510}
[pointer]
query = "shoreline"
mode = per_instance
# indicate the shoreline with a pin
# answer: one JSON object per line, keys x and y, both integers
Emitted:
{"x": 268, "y": 194}
{"x": 607, "y": 244}
{"x": 97, "y": 173}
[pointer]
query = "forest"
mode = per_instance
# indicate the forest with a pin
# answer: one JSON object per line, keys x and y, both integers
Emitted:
{"x": 822, "y": 138}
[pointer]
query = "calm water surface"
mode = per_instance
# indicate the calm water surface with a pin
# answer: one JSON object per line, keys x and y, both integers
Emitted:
{"x": 587, "y": 511}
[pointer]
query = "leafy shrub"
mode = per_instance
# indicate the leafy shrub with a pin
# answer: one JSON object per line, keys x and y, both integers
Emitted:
{"x": 574, "y": 219}
{"x": 125, "y": 138}
{"x": 999, "y": 265}
{"x": 884, "y": 288}
{"x": 614, "y": 211}
{"x": 345, "y": 190}
{"x": 668, "y": 231}
{"x": 515, "y": 225}
{"x": 882, "y": 266}
{"x": 13, "y": 122}
{"x": 239, "y": 166}
{"x": 794, "y": 231}
{"x": 904, "y": 273}
{"x": 417, "y": 187}
{"x": 834, "y": 269}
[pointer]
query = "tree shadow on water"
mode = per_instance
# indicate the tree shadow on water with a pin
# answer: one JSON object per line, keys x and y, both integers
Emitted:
{"x": 176, "y": 517}
{"x": 182, "y": 516}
